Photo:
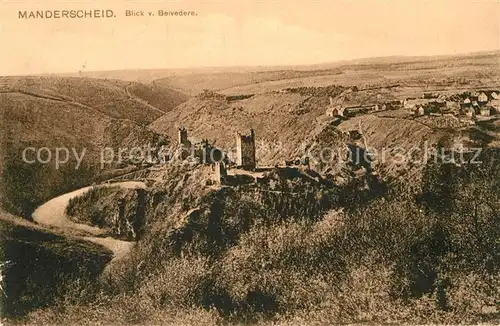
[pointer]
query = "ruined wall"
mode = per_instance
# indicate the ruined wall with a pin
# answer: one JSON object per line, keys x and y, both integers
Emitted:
{"x": 220, "y": 172}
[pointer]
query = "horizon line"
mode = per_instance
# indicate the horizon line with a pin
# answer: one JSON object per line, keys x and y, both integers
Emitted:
{"x": 339, "y": 62}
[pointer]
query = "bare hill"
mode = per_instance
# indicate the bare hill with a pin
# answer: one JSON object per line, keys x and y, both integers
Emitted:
{"x": 80, "y": 112}
{"x": 422, "y": 71}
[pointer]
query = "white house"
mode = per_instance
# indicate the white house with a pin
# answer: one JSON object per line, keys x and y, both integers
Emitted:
{"x": 482, "y": 98}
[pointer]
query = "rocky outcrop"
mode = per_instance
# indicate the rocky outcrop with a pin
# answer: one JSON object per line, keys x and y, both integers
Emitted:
{"x": 120, "y": 211}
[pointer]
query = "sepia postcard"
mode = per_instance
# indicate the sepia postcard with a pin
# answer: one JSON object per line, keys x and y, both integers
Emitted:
{"x": 221, "y": 162}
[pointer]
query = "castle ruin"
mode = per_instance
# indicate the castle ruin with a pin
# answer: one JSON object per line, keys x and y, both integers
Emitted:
{"x": 245, "y": 151}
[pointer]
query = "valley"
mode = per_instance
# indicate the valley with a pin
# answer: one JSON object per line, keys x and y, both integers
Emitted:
{"x": 282, "y": 195}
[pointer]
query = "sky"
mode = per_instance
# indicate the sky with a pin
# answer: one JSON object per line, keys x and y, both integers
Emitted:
{"x": 240, "y": 33}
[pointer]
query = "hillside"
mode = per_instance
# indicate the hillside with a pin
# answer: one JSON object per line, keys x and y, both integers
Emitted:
{"x": 440, "y": 71}
{"x": 290, "y": 124}
{"x": 78, "y": 111}
{"x": 282, "y": 121}
{"x": 390, "y": 138}
{"x": 79, "y": 115}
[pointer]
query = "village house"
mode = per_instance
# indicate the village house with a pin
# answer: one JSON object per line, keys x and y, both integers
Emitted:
{"x": 466, "y": 103}
{"x": 411, "y": 104}
{"x": 494, "y": 95}
{"x": 435, "y": 106}
{"x": 408, "y": 105}
{"x": 355, "y": 110}
{"x": 392, "y": 105}
{"x": 396, "y": 104}
{"x": 419, "y": 111}
{"x": 485, "y": 111}
{"x": 474, "y": 96}
{"x": 482, "y": 99}
{"x": 336, "y": 111}
{"x": 451, "y": 107}
{"x": 495, "y": 104}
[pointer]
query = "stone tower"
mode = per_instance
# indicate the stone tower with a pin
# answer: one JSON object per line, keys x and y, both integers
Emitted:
{"x": 183, "y": 136}
{"x": 245, "y": 151}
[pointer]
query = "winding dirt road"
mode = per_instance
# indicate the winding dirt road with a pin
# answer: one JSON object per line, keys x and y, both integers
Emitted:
{"x": 53, "y": 213}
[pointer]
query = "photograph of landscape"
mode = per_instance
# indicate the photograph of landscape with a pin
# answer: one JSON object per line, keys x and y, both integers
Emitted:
{"x": 250, "y": 163}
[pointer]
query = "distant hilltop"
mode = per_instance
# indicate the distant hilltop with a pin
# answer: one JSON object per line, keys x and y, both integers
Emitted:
{"x": 149, "y": 75}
